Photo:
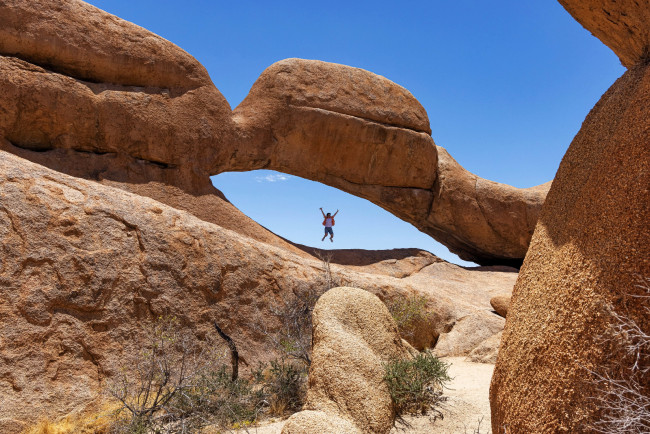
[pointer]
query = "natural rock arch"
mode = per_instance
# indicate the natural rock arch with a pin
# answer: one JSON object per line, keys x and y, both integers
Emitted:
{"x": 361, "y": 133}
{"x": 339, "y": 125}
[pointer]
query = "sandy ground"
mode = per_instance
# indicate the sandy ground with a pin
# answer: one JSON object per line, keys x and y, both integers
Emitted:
{"x": 467, "y": 404}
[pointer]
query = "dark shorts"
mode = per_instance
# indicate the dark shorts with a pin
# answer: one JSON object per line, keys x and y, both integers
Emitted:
{"x": 330, "y": 231}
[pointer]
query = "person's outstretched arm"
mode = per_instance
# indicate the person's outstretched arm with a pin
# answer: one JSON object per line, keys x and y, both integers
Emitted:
{"x": 337, "y": 211}
{"x": 321, "y": 211}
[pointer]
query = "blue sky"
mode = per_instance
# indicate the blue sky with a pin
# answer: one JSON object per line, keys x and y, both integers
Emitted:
{"x": 506, "y": 85}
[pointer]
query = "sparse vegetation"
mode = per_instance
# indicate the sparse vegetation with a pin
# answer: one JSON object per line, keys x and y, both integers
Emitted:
{"x": 416, "y": 385}
{"x": 176, "y": 387}
{"x": 476, "y": 430}
{"x": 286, "y": 387}
{"x": 168, "y": 365}
{"x": 294, "y": 315}
{"x": 330, "y": 280}
{"x": 95, "y": 421}
{"x": 407, "y": 312}
{"x": 625, "y": 404}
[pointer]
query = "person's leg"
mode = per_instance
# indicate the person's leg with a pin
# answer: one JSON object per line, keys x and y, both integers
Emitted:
{"x": 323, "y": 239}
{"x": 331, "y": 235}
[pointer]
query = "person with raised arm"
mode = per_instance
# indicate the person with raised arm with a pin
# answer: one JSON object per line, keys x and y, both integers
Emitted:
{"x": 328, "y": 222}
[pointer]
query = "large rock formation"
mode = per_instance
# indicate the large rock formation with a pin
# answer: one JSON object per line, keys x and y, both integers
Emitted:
{"x": 354, "y": 336}
{"x": 359, "y": 132}
{"x": 118, "y": 92}
{"x": 473, "y": 216}
{"x": 622, "y": 25}
{"x": 181, "y": 189}
{"x": 487, "y": 351}
{"x": 80, "y": 41}
{"x": 589, "y": 254}
{"x": 84, "y": 266}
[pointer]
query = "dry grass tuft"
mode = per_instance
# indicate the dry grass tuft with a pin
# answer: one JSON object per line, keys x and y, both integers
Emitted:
{"x": 91, "y": 422}
{"x": 621, "y": 395}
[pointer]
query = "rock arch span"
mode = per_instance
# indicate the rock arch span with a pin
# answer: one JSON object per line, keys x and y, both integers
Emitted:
{"x": 361, "y": 133}
{"x": 124, "y": 92}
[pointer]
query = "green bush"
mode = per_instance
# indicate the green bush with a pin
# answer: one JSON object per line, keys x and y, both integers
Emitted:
{"x": 416, "y": 385}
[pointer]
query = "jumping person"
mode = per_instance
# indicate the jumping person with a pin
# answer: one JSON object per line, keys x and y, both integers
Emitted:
{"x": 328, "y": 222}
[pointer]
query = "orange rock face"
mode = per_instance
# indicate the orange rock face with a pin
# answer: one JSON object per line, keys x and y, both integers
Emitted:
{"x": 78, "y": 40}
{"x": 359, "y": 132}
{"x": 622, "y": 25}
{"x": 85, "y": 266}
{"x": 468, "y": 333}
{"x": 476, "y": 216}
{"x": 112, "y": 88}
{"x": 588, "y": 256}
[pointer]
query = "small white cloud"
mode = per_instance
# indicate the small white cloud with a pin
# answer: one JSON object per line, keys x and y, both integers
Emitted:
{"x": 272, "y": 178}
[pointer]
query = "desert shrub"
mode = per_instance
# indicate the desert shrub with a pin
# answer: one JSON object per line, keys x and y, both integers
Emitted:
{"x": 285, "y": 381}
{"x": 167, "y": 365}
{"x": 621, "y": 397}
{"x": 286, "y": 387}
{"x": 330, "y": 280}
{"x": 218, "y": 400}
{"x": 407, "y": 312}
{"x": 294, "y": 314}
{"x": 293, "y": 338}
{"x": 416, "y": 385}
{"x": 174, "y": 386}
{"x": 476, "y": 430}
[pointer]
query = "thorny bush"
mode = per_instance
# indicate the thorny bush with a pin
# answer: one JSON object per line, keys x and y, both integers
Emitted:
{"x": 621, "y": 395}
{"x": 174, "y": 386}
{"x": 416, "y": 385}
